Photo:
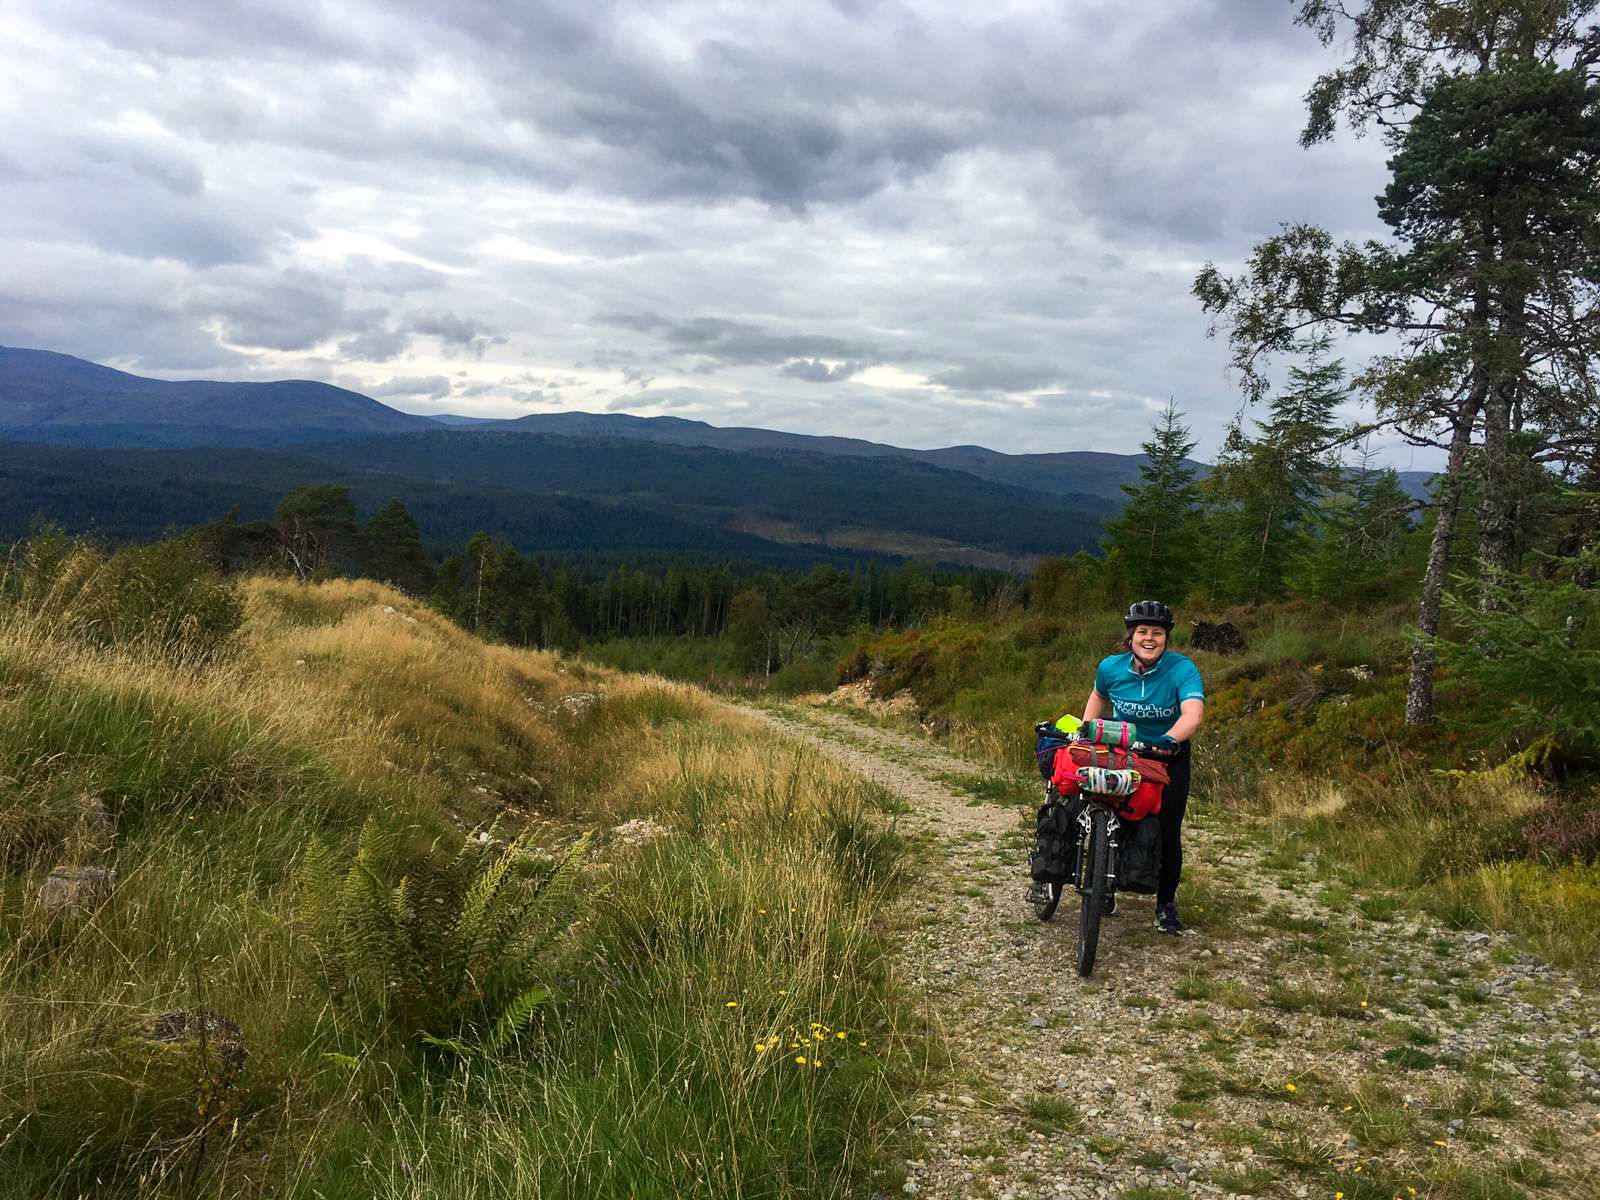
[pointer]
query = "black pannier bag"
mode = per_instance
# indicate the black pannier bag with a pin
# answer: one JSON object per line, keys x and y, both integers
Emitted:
{"x": 1055, "y": 844}
{"x": 1139, "y": 856}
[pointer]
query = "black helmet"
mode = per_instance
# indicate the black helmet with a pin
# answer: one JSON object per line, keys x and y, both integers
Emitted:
{"x": 1148, "y": 612}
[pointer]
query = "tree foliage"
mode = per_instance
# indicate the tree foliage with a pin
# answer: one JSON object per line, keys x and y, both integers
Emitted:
{"x": 1154, "y": 537}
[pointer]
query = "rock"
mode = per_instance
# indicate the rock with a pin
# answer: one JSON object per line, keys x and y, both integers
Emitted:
{"x": 910, "y": 1187}
{"x": 1363, "y": 672}
{"x": 94, "y": 819}
{"x": 74, "y": 889}
{"x": 639, "y": 831}
{"x": 1038, "y": 1022}
{"x": 216, "y": 1039}
{"x": 922, "y": 1122}
{"x": 575, "y": 704}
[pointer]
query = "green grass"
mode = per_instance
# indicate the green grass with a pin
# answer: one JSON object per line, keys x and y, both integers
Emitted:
{"x": 1411, "y": 1058}
{"x": 760, "y": 919}
{"x": 1006, "y": 791}
{"x": 1052, "y": 1114}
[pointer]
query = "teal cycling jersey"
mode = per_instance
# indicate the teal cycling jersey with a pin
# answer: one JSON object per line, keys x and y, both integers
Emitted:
{"x": 1150, "y": 701}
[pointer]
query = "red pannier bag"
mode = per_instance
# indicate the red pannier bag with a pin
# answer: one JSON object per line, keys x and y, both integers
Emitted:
{"x": 1146, "y": 798}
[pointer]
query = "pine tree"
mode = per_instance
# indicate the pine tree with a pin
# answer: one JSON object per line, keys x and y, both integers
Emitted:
{"x": 391, "y": 550}
{"x": 1153, "y": 538}
{"x": 1264, "y": 492}
{"x": 1356, "y": 538}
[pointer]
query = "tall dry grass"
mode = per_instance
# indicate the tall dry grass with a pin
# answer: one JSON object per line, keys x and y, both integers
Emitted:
{"x": 765, "y": 883}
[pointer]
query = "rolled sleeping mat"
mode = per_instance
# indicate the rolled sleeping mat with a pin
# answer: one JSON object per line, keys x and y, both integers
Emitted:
{"x": 1108, "y": 733}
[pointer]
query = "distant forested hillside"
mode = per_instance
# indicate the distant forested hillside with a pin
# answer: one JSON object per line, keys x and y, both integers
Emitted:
{"x": 557, "y": 495}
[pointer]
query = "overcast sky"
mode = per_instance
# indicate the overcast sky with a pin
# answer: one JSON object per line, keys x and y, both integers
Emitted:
{"x": 926, "y": 224}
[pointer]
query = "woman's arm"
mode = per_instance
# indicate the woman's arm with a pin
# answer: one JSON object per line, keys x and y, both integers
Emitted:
{"x": 1190, "y": 714}
{"x": 1094, "y": 706}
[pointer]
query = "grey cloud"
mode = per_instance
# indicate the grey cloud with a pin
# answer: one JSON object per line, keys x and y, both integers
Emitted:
{"x": 667, "y": 398}
{"x": 290, "y": 311}
{"x": 998, "y": 375}
{"x": 814, "y": 370}
{"x": 739, "y": 342}
{"x": 775, "y": 195}
{"x": 464, "y": 335}
{"x": 376, "y": 345}
{"x": 429, "y": 387}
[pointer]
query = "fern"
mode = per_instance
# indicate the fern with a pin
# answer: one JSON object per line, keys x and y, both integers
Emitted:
{"x": 516, "y": 1014}
{"x": 451, "y": 952}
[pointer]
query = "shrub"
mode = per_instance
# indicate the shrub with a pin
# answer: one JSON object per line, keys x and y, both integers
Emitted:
{"x": 162, "y": 595}
{"x": 452, "y": 952}
{"x": 1565, "y": 830}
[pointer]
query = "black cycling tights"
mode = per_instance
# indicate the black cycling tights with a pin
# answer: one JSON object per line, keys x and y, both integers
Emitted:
{"x": 1174, "y": 799}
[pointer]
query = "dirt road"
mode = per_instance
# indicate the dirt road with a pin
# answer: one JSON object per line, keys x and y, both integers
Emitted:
{"x": 1306, "y": 1039}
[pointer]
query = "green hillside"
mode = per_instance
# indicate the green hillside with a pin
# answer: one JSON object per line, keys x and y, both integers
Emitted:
{"x": 393, "y": 905}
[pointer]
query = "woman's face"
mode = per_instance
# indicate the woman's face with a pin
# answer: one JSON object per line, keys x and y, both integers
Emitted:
{"x": 1149, "y": 642}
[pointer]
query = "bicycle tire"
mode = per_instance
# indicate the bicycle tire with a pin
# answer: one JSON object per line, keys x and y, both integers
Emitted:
{"x": 1047, "y": 908}
{"x": 1097, "y": 861}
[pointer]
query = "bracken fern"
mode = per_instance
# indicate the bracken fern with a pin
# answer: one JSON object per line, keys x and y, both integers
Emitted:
{"x": 451, "y": 952}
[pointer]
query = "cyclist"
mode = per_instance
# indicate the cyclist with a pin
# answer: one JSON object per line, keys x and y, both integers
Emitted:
{"x": 1159, "y": 692}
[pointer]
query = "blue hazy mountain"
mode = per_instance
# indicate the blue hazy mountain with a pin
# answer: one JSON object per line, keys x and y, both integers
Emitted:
{"x": 47, "y": 397}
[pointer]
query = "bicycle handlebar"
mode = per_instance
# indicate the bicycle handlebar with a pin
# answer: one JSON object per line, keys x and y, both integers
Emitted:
{"x": 1132, "y": 747}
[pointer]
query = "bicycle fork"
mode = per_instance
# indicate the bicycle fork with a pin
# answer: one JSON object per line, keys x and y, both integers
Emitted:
{"x": 1085, "y": 855}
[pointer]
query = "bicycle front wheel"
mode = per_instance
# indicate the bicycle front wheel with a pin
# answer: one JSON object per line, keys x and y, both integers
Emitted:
{"x": 1097, "y": 864}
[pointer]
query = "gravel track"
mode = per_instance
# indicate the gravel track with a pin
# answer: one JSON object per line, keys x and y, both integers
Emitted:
{"x": 1304, "y": 1039}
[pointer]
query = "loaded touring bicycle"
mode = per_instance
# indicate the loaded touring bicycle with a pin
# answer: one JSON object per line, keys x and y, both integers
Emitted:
{"x": 1096, "y": 832}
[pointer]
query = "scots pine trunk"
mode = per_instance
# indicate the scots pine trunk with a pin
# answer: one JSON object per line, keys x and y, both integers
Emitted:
{"x": 1419, "y": 685}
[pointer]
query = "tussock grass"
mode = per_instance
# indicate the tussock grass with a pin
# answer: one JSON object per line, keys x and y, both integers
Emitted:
{"x": 753, "y": 916}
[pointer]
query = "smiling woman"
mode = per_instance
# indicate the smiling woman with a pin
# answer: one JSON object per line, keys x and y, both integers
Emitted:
{"x": 1159, "y": 692}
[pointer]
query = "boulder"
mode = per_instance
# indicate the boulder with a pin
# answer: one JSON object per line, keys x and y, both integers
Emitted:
{"x": 1220, "y": 637}
{"x": 76, "y": 889}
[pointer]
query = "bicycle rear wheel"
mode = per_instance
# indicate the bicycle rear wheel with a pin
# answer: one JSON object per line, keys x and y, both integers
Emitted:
{"x": 1097, "y": 863}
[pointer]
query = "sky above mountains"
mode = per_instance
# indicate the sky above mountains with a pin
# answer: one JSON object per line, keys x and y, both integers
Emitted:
{"x": 924, "y": 224}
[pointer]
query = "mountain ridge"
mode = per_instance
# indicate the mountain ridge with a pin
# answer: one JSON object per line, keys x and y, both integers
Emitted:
{"x": 62, "y": 400}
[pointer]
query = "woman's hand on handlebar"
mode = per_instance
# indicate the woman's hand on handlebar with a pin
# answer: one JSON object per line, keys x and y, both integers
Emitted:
{"x": 1165, "y": 746}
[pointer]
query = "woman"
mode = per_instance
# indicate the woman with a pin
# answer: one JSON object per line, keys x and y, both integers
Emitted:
{"x": 1159, "y": 692}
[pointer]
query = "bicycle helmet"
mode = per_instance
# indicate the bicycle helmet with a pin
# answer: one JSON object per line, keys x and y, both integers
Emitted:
{"x": 1148, "y": 612}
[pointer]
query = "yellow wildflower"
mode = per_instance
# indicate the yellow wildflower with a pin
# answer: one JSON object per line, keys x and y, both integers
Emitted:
{"x": 732, "y": 1004}
{"x": 800, "y": 1058}
{"x": 760, "y": 1046}
{"x": 840, "y": 1035}
{"x": 1289, "y": 1087}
